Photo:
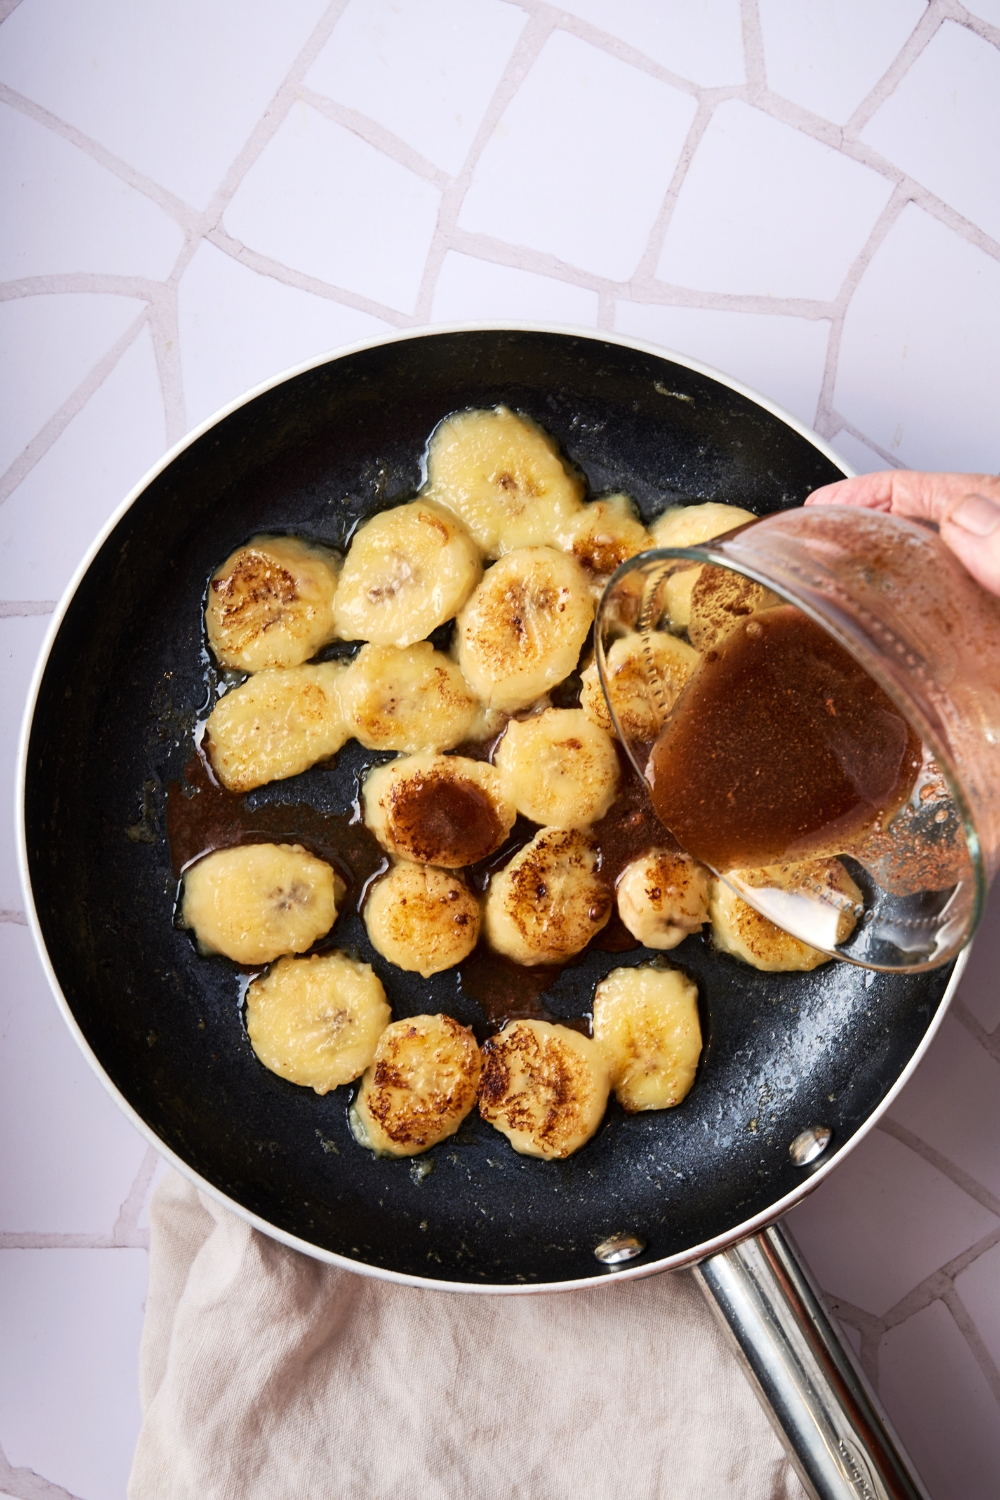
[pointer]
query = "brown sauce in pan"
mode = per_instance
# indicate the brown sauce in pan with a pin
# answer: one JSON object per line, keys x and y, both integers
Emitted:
{"x": 434, "y": 814}
{"x": 780, "y": 746}
{"x": 202, "y": 817}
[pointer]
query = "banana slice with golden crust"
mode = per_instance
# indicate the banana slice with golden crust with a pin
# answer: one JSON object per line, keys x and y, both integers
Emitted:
{"x": 407, "y": 571}
{"x": 640, "y": 706}
{"x": 558, "y": 768}
{"x": 603, "y": 535}
{"x": 279, "y": 722}
{"x": 521, "y": 631}
{"x": 549, "y": 901}
{"x": 690, "y": 525}
{"x": 646, "y": 1024}
{"x": 259, "y": 901}
{"x": 410, "y": 698}
{"x": 271, "y": 603}
{"x": 663, "y": 897}
{"x": 316, "y": 1021}
{"x": 545, "y": 1087}
{"x": 719, "y": 601}
{"x": 503, "y": 477}
{"x": 739, "y": 929}
{"x": 421, "y": 918}
{"x": 438, "y": 809}
{"x": 419, "y": 1088}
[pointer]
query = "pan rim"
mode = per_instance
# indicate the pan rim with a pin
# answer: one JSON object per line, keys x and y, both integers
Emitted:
{"x": 601, "y": 1278}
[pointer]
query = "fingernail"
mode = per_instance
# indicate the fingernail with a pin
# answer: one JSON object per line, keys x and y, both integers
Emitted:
{"x": 977, "y": 514}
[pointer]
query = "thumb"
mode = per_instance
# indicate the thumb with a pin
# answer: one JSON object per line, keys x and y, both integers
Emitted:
{"x": 972, "y": 531}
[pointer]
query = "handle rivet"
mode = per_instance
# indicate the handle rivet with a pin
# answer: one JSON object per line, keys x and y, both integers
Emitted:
{"x": 809, "y": 1144}
{"x": 619, "y": 1248}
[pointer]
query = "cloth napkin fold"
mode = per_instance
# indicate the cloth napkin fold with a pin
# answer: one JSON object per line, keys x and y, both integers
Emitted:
{"x": 266, "y": 1375}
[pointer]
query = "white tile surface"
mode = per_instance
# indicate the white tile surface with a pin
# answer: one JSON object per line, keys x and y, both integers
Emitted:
{"x": 940, "y": 1402}
{"x": 980, "y": 987}
{"x": 238, "y": 328}
{"x": 942, "y": 123}
{"x": 51, "y": 1103}
{"x": 49, "y": 521}
{"x": 829, "y": 57}
{"x": 20, "y": 640}
{"x": 782, "y": 357}
{"x": 47, "y": 345}
{"x": 953, "y": 1103}
{"x": 862, "y": 459}
{"x": 425, "y": 69}
{"x": 572, "y": 168}
{"x": 885, "y": 1195}
{"x": 69, "y": 1406}
{"x": 65, "y": 213}
{"x": 697, "y": 39}
{"x": 174, "y": 90}
{"x": 765, "y": 209}
{"x": 469, "y": 289}
{"x": 322, "y": 200}
{"x": 920, "y": 357}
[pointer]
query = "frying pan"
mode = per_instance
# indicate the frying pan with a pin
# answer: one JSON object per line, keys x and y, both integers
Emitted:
{"x": 124, "y": 682}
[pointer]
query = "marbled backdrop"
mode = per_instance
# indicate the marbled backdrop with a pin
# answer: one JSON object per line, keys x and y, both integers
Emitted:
{"x": 804, "y": 193}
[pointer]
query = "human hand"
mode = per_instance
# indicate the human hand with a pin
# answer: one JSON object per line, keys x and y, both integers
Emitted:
{"x": 965, "y": 507}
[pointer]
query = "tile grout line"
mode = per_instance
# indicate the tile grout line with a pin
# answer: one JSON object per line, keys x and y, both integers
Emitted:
{"x": 301, "y": 280}
{"x": 13, "y": 918}
{"x": 126, "y": 1232}
{"x": 376, "y": 135}
{"x": 20, "y": 609}
{"x": 974, "y": 1339}
{"x": 82, "y": 282}
{"x": 27, "y": 1484}
{"x": 940, "y": 1163}
{"x": 988, "y": 1040}
{"x": 648, "y": 261}
{"x": 753, "y": 49}
{"x": 926, "y": 28}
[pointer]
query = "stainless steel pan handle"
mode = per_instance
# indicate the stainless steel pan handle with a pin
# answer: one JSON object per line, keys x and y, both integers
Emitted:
{"x": 837, "y": 1435}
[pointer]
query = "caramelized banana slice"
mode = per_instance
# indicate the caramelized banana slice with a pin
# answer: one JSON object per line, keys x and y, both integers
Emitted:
{"x": 718, "y": 601}
{"x": 503, "y": 477}
{"x": 646, "y": 1024}
{"x": 271, "y": 604}
{"x": 438, "y": 809}
{"x": 522, "y": 630}
{"x": 549, "y": 901}
{"x": 603, "y": 535}
{"x": 421, "y": 918}
{"x": 414, "y": 698}
{"x": 419, "y": 1088}
{"x": 407, "y": 572}
{"x": 738, "y": 929}
{"x": 690, "y": 525}
{"x": 640, "y": 707}
{"x": 663, "y": 897}
{"x": 544, "y": 1087}
{"x": 316, "y": 1021}
{"x": 280, "y": 722}
{"x": 558, "y": 768}
{"x": 259, "y": 901}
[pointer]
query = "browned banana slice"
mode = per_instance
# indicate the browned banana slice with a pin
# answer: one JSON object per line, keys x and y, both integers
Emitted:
{"x": 419, "y": 1088}
{"x": 438, "y": 809}
{"x": 549, "y": 901}
{"x": 271, "y": 604}
{"x": 544, "y": 1087}
{"x": 422, "y": 918}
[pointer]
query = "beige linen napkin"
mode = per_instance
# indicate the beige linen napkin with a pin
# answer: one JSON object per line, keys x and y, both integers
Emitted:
{"x": 266, "y": 1375}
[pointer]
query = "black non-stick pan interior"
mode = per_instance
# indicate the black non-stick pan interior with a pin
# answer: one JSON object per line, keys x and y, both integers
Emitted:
{"x": 125, "y": 686}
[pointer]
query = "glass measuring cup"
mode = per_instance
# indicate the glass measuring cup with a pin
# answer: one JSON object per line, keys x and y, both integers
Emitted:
{"x": 910, "y": 730}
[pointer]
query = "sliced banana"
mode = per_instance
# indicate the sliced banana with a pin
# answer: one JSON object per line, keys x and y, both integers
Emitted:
{"x": 603, "y": 535}
{"x": 677, "y": 594}
{"x": 663, "y": 897}
{"x": 259, "y": 901}
{"x": 645, "y": 677}
{"x": 545, "y": 1087}
{"x": 271, "y": 604}
{"x": 316, "y": 1021}
{"x": 280, "y": 722}
{"x": 690, "y": 525}
{"x": 646, "y": 1024}
{"x": 549, "y": 901}
{"x": 421, "y": 918}
{"x": 521, "y": 631}
{"x": 558, "y": 768}
{"x": 438, "y": 809}
{"x": 408, "y": 698}
{"x": 719, "y": 600}
{"x": 408, "y": 570}
{"x": 820, "y": 887}
{"x": 503, "y": 477}
{"x": 419, "y": 1088}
